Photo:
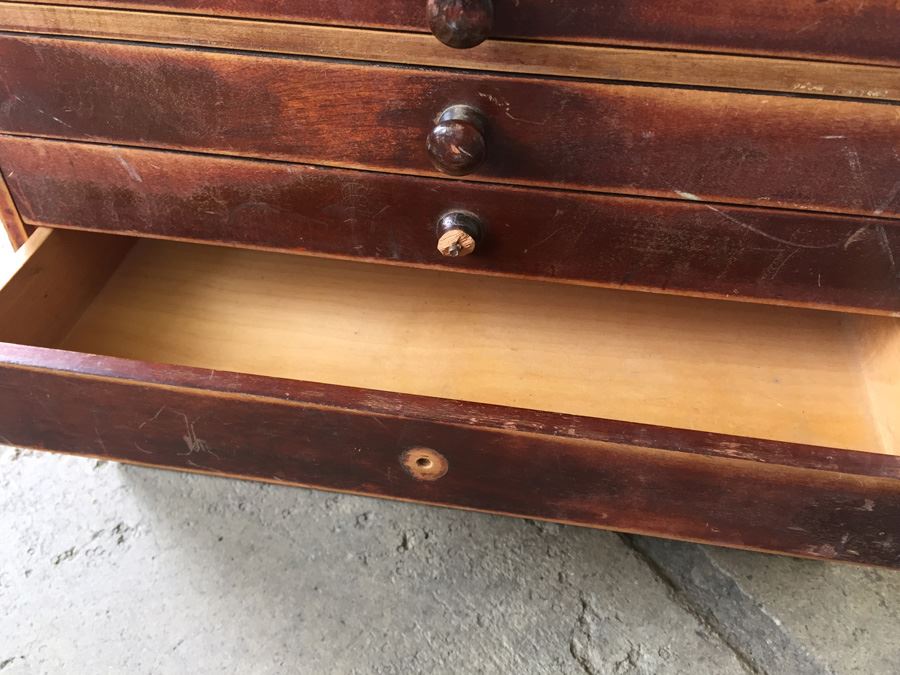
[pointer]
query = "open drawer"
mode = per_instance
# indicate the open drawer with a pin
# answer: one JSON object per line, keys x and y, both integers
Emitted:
{"x": 767, "y": 428}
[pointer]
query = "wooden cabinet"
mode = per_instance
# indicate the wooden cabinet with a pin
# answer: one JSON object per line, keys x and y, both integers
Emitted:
{"x": 167, "y": 166}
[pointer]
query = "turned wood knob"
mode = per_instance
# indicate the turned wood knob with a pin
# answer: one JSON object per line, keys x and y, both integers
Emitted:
{"x": 458, "y": 234}
{"x": 456, "y": 144}
{"x": 460, "y": 24}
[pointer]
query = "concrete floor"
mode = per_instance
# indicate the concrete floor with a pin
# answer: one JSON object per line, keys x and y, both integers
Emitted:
{"x": 117, "y": 569}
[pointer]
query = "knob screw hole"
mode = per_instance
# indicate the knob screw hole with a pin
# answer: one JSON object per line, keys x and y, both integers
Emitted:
{"x": 424, "y": 463}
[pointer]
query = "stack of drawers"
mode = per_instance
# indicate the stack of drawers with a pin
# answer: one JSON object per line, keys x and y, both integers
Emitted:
{"x": 478, "y": 189}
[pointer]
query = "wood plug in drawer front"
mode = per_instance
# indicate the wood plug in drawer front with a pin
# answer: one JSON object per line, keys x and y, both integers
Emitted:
{"x": 693, "y": 145}
{"x": 844, "y": 30}
{"x": 756, "y": 254}
{"x": 694, "y": 382}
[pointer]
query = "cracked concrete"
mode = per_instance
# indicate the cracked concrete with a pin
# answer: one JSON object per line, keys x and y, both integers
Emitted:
{"x": 121, "y": 569}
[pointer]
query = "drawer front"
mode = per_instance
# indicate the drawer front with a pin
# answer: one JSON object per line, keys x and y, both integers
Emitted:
{"x": 589, "y": 61}
{"x": 729, "y": 491}
{"x": 791, "y": 257}
{"x": 839, "y": 30}
{"x": 778, "y": 151}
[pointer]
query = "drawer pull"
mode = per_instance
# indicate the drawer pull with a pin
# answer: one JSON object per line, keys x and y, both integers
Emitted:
{"x": 456, "y": 144}
{"x": 424, "y": 463}
{"x": 458, "y": 234}
{"x": 461, "y": 24}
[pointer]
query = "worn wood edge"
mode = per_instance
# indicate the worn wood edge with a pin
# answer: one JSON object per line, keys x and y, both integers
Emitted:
{"x": 457, "y": 507}
{"x": 10, "y": 217}
{"x": 796, "y": 76}
{"x": 420, "y": 29}
{"x": 494, "y": 418}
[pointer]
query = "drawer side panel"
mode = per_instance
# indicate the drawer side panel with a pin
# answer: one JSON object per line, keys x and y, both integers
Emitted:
{"x": 10, "y": 218}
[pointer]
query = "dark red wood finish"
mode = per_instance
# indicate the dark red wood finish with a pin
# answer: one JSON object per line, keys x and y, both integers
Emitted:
{"x": 847, "y": 30}
{"x": 456, "y": 144}
{"x": 794, "y": 257}
{"x": 830, "y": 504}
{"x": 765, "y": 150}
{"x": 461, "y": 24}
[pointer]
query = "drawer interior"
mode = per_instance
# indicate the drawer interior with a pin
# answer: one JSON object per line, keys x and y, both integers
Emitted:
{"x": 779, "y": 373}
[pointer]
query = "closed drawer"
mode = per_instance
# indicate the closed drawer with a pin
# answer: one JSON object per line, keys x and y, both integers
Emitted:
{"x": 840, "y": 30}
{"x": 580, "y": 405}
{"x": 761, "y": 150}
{"x": 676, "y": 247}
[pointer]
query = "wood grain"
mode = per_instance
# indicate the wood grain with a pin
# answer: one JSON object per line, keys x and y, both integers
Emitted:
{"x": 567, "y": 60}
{"x": 878, "y": 343}
{"x": 50, "y": 280}
{"x": 9, "y": 217}
{"x": 637, "y": 478}
{"x": 836, "y": 262}
{"x": 748, "y": 370}
{"x": 844, "y": 30}
{"x": 765, "y": 150}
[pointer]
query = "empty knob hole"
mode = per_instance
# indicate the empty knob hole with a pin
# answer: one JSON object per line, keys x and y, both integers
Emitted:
{"x": 424, "y": 463}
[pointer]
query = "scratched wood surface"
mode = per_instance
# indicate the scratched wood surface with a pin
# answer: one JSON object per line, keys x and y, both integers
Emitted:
{"x": 821, "y": 78}
{"x": 700, "y": 487}
{"x": 839, "y": 262}
{"x": 846, "y": 30}
{"x": 766, "y": 150}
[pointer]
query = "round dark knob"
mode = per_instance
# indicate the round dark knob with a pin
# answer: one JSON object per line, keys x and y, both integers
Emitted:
{"x": 458, "y": 234}
{"x": 456, "y": 144}
{"x": 461, "y": 24}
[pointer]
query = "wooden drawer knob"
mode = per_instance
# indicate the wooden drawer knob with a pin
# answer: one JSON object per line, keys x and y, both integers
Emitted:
{"x": 456, "y": 144}
{"x": 458, "y": 234}
{"x": 460, "y": 24}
